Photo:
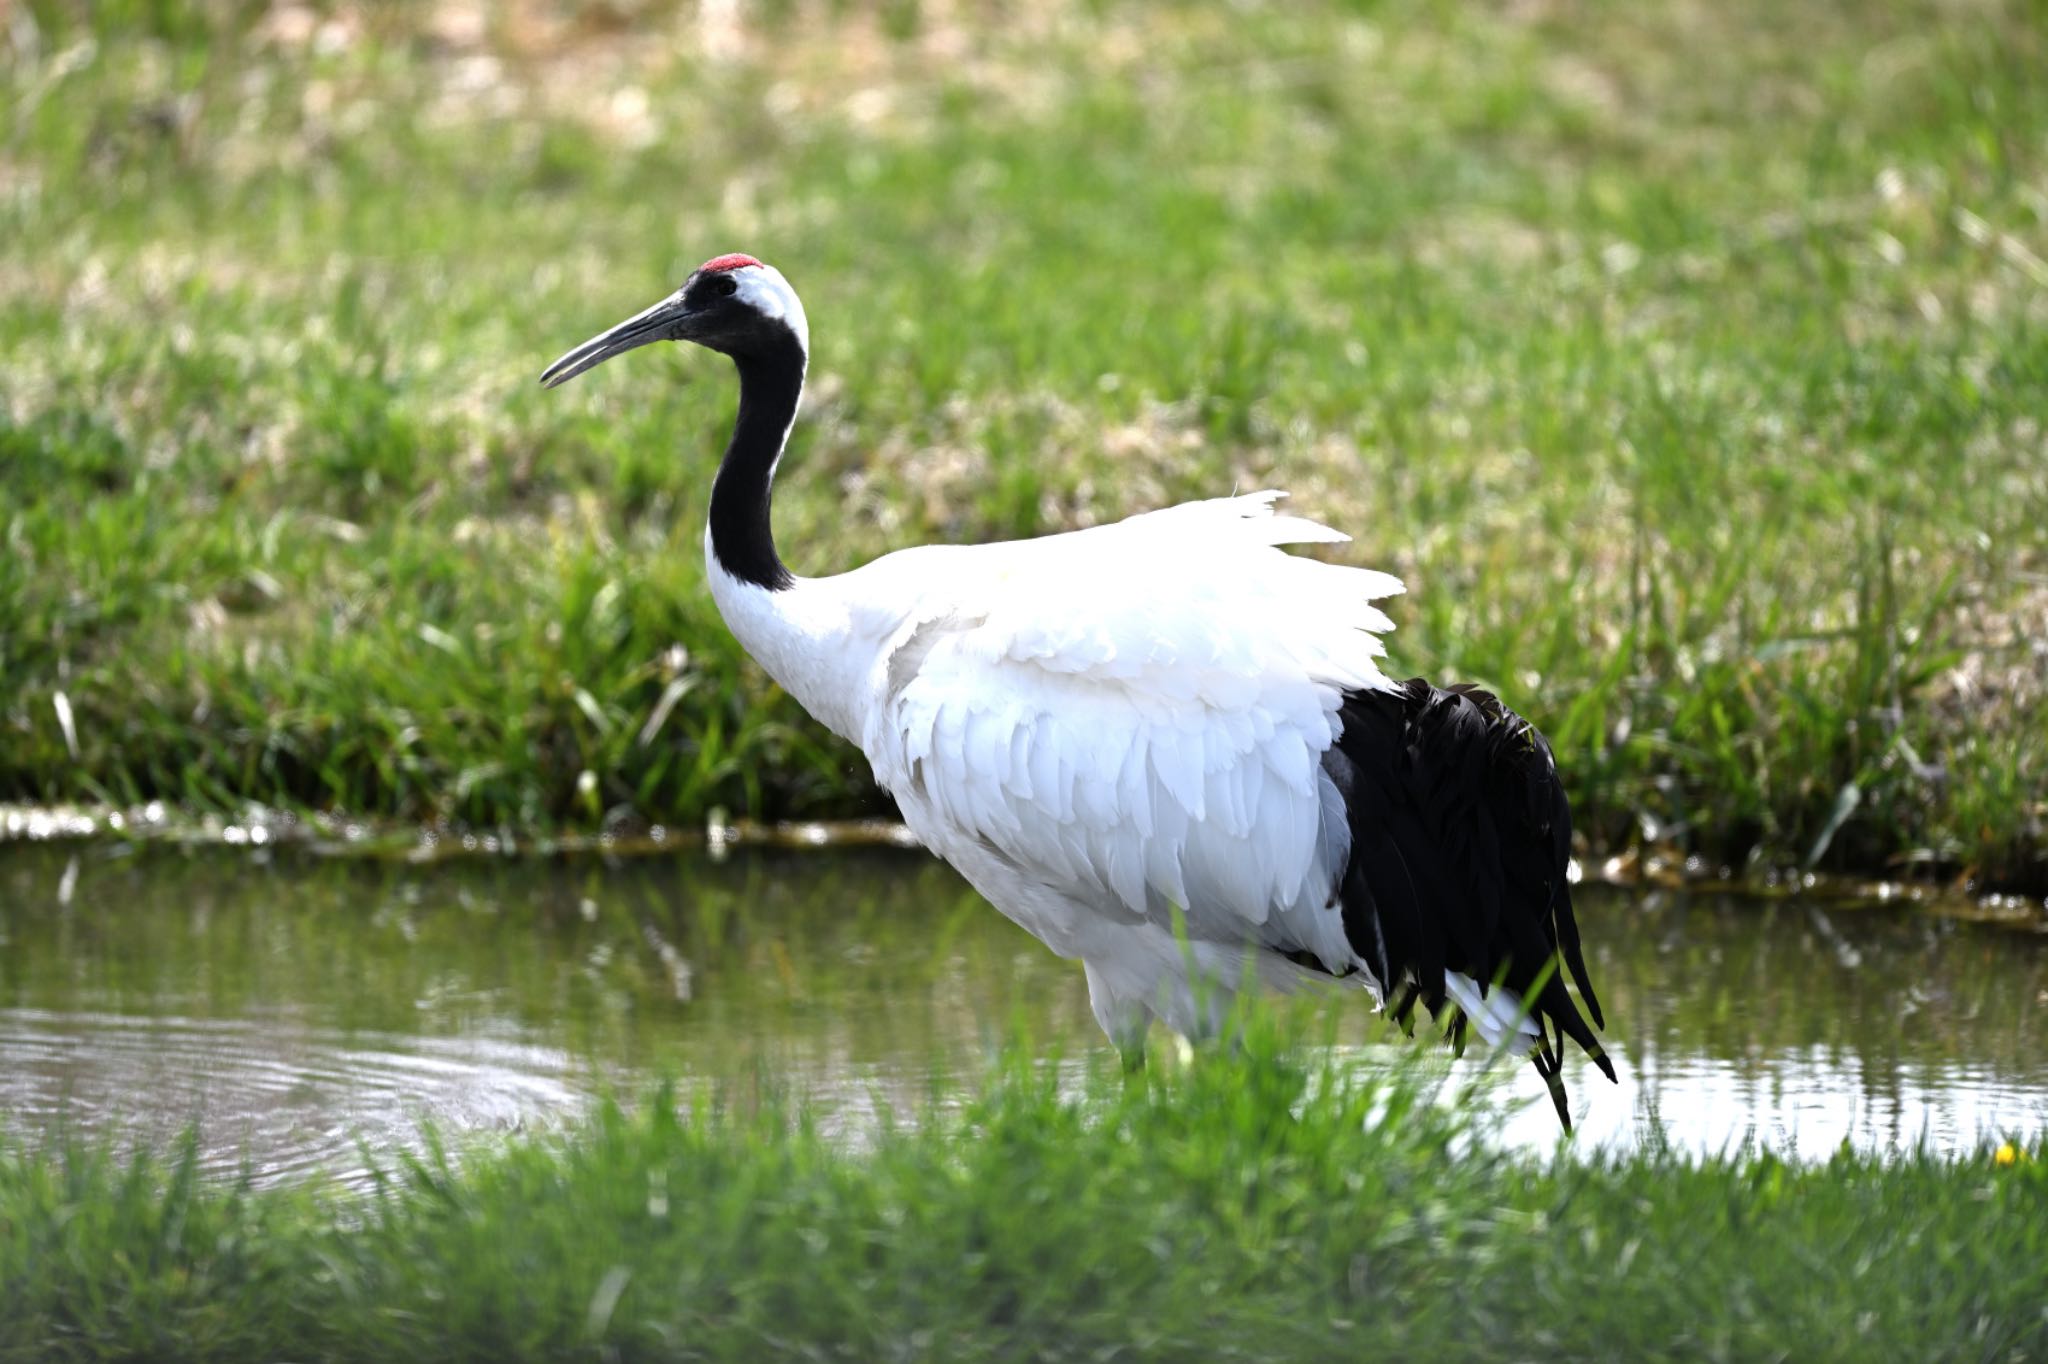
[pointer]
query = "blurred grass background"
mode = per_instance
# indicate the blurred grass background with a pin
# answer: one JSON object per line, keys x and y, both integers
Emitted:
{"x": 1688, "y": 360}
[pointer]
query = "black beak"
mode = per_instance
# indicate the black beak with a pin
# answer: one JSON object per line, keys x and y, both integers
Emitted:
{"x": 665, "y": 321}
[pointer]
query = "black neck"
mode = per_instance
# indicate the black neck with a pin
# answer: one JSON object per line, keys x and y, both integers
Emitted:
{"x": 771, "y": 382}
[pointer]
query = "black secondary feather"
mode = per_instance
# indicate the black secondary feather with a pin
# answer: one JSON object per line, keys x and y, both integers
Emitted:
{"x": 1460, "y": 852}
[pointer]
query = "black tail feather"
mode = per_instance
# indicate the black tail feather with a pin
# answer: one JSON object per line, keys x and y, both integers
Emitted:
{"x": 1460, "y": 854}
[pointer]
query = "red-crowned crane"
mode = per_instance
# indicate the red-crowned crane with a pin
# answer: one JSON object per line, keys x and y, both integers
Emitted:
{"x": 1163, "y": 746}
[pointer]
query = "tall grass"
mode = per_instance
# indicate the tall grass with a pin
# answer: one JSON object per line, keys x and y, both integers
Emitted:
{"x": 1687, "y": 360}
{"x": 1258, "y": 1205}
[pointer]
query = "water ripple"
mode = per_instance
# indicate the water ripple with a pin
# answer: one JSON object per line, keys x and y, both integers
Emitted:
{"x": 276, "y": 1095}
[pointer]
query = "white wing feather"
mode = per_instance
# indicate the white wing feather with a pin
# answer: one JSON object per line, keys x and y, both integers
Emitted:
{"x": 1094, "y": 708}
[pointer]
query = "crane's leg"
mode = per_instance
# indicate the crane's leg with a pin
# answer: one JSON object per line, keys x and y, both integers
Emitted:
{"x": 1123, "y": 1017}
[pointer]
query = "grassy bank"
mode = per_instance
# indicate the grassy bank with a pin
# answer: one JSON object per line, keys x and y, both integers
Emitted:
{"x": 1689, "y": 361}
{"x": 1259, "y": 1208}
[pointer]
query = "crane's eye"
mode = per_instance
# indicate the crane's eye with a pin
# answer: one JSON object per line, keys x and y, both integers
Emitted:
{"x": 724, "y": 286}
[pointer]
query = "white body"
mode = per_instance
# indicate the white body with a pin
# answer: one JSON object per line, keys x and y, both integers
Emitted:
{"x": 1109, "y": 729}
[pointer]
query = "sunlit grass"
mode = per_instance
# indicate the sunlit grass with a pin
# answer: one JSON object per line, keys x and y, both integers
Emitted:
{"x": 1253, "y": 1204}
{"x": 1688, "y": 361}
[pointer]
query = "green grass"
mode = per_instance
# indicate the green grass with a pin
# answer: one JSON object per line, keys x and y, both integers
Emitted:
{"x": 1260, "y": 1206}
{"x": 1689, "y": 362}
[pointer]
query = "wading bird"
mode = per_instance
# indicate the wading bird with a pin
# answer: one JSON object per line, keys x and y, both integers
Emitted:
{"x": 1163, "y": 746}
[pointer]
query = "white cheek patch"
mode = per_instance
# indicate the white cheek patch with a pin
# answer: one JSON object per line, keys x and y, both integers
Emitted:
{"x": 762, "y": 288}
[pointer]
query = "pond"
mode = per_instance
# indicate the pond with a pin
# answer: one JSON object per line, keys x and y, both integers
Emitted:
{"x": 301, "y": 1011}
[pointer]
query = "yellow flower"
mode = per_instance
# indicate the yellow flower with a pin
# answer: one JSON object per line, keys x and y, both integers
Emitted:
{"x": 2007, "y": 1154}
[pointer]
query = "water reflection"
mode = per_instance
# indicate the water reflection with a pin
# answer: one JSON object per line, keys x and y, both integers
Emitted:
{"x": 296, "y": 1006}
{"x": 275, "y": 1093}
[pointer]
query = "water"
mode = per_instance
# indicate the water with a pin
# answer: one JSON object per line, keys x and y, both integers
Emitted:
{"x": 302, "y": 1011}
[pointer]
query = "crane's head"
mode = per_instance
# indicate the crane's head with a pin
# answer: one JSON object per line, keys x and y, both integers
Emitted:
{"x": 733, "y": 304}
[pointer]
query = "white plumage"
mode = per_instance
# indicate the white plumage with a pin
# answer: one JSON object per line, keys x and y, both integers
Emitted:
{"x": 1073, "y": 724}
{"x": 1125, "y": 737}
